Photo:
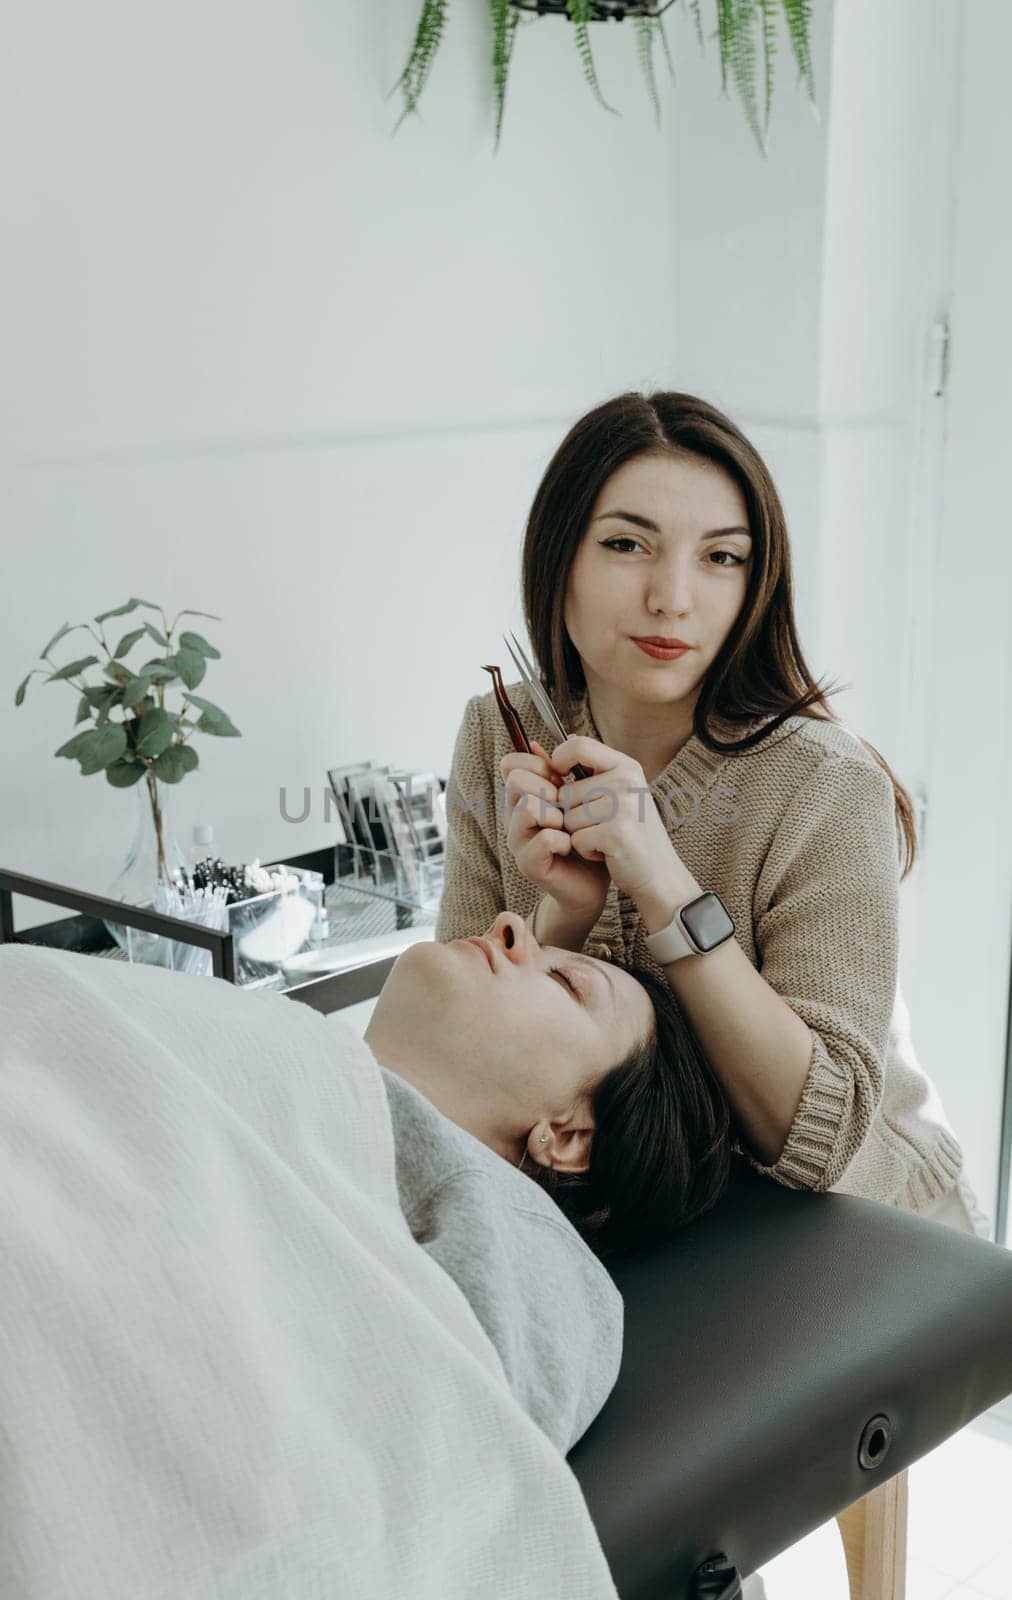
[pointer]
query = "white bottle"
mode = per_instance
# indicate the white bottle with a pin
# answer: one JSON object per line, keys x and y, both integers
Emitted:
{"x": 203, "y": 842}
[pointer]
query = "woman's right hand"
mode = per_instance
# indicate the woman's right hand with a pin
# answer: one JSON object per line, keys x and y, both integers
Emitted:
{"x": 536, "y": 834}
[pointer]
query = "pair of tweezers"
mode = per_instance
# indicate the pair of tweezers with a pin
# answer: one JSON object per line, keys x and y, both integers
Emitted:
{"x": 514, "y": 726}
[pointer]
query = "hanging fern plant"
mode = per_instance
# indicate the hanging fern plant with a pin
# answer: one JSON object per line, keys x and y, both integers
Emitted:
{"x": 745, "y": 29}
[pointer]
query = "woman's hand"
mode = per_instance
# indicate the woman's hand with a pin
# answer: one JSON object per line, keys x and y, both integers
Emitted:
{"x": 613, "y": 816}
{"x": 544, "y": 851}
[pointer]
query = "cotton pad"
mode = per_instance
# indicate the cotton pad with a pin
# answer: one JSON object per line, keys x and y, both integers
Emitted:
{"x": 283, "y": 930}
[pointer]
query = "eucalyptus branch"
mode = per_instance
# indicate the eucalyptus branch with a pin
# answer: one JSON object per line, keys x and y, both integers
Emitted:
{"x": 147, "y": 741}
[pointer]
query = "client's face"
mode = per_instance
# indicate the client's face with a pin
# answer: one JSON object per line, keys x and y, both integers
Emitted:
{"x": 496, "y": 1038}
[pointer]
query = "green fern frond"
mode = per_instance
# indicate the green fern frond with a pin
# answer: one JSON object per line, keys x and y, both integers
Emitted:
{"x": 579, "y": 15}
{"x": 646, "y": 34}
{"x": 666, "y": 48}
{"x": 735, "y": 34}
{"x": 504, "y": 27}
{"x": 743, "y": 63}
{"x": 697, "y": 17}
{"x": 725, "y": 34}
{"x": 769, "y": 31}
{"x": 427, "y": 39}
{"x": 799, "y": 17}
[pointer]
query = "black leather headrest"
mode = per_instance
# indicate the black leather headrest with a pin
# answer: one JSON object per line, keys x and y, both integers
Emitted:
{"x": 758, "y": 1346}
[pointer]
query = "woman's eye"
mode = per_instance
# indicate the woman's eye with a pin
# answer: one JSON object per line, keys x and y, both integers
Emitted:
{"x": 733, "y": 559}
{"x": 557, "y": 972}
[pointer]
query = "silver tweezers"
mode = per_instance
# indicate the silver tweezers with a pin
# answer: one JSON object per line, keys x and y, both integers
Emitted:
{"x": 514, "y": 726}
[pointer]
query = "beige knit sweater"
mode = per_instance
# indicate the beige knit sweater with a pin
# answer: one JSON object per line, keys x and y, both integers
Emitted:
{"x": 798, "y": 837}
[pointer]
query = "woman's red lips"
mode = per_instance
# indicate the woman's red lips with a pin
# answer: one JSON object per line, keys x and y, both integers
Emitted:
{"x": 484, "y": 946}
{"x": 663, "y": 644}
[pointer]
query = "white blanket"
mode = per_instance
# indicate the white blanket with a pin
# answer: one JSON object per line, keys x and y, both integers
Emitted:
{"x": 226, "y": 1368}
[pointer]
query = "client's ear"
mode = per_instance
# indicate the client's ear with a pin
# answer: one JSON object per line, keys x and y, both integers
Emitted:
{"x": 568, "y": 1148}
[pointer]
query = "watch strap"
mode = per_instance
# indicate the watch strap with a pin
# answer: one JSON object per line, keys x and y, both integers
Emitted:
{"x": 670, "y": 943}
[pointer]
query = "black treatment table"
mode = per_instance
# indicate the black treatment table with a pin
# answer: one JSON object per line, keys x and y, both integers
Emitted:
{"x": 785, "y": 1358}
{"x": 768, "y": 1348}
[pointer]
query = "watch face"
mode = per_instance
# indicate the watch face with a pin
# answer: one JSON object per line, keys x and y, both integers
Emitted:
{"x": 707, "y": 921}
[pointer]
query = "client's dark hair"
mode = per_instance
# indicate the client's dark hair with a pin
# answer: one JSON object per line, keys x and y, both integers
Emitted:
{"x": 661, "y": 1151}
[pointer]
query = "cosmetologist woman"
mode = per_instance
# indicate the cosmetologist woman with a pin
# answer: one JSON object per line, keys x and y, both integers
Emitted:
{"x": 728, "y": 793}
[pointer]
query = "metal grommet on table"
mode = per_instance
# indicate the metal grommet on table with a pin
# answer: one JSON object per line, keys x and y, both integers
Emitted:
{"x": 873, "y": 1447}
{"x": 716, "y": 1579}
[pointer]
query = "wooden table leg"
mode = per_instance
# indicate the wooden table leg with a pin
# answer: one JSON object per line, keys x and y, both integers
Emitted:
{"x": 874, "y": 1534}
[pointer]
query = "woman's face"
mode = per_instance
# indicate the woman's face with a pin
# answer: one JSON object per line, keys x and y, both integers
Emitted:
{"x": 666, "y": 553}
{"x": 499, "y": 1042}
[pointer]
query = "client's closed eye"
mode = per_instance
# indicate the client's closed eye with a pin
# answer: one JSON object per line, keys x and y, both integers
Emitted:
{"x": 559, "y": 972}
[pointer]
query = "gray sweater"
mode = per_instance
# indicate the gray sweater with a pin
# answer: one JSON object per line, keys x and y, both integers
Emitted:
{"x": 546, "y": 1302}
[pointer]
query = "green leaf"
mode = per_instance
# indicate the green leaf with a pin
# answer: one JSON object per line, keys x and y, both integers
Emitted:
{"x": 74, "y": 746}
{"x": 68, "y": 627}
{"x": 213, "y": 719}
{"x": 23, "y": 685}
{"x": 156, "y": 635}
{"x": 156, "y": 732}
{"x": 118, "y": 611}
{"x": 123, "y": 774}
{"x": 135, "y": 689}
{"x": 204, "y": 705}
{"x": 221, "y": 729}
{"x": 83, "y": 710}
{"x": 102, "y": 697}
{"x": 190, "y": 666}
{"x": 174, "y": 763}
{"x": 104, "y": 746}
{"x": 208, "y": 614}
{"x": 72, "y": 668}
{"x": 128, "y": 641}
{"x": 121, "y": 611}
{"x": 100, "y": 694}
{"x": 197, "y": 642}
{"x": 160, "y": 671}
{"x": 118, "y": 673}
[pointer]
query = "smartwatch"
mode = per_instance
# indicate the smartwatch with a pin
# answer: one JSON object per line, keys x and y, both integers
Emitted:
{"x": 700, "y": 926}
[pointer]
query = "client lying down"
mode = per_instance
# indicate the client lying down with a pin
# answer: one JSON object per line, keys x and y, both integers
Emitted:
{"x": 273, "y": 1296}
{"x": 501, "y": 1056}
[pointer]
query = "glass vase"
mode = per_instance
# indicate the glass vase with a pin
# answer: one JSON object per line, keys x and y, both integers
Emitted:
{"x": 154, "y": 854}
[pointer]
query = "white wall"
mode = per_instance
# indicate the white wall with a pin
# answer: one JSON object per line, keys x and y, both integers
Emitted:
{"x": 267, "y": 360}
{"x": 966, "y": 896}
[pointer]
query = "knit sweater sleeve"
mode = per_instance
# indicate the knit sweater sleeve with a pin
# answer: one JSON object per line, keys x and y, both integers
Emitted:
{"x": 472, "y": 894}
{"x": 826, "y": 932}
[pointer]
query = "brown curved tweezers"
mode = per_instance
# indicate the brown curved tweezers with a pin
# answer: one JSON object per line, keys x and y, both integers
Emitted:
{"x": 514, "y": 727}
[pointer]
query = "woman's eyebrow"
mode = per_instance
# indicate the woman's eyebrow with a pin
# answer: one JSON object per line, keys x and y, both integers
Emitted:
{"x": 644, "y": 522}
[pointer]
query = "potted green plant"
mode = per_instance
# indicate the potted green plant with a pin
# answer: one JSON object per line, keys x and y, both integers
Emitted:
{"x": 132, "y": 735}
{"x": 743, "y": 29}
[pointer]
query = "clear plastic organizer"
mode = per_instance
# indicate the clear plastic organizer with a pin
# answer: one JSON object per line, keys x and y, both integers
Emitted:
{"x": 267, "y": 931}
{"x": 416, "y": 881}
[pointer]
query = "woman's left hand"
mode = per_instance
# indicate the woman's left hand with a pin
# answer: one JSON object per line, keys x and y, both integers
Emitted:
{"x": 613, "y": 817}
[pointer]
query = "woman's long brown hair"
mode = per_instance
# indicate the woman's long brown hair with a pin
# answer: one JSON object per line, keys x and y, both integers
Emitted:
{"x": 760, "y": 670}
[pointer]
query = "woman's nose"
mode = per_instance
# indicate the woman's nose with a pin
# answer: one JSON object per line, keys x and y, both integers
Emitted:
{"x": 510, "y": 932}
{"x": 670, "y": 592}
